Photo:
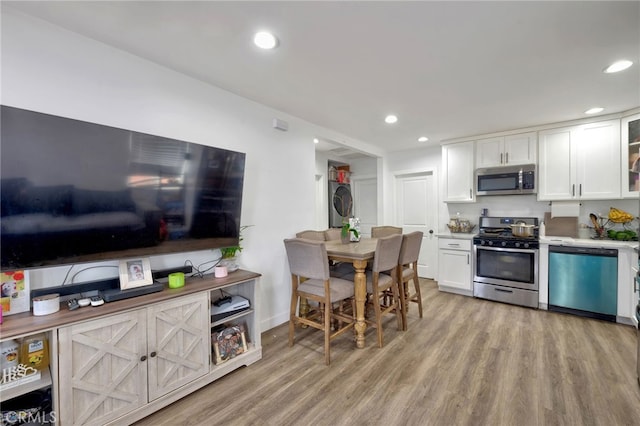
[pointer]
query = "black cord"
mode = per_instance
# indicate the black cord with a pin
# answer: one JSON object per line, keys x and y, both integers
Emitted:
{"x": 67, "y": 275}
{"x": 201, "y": 272}
{"x": 90, "y": 267}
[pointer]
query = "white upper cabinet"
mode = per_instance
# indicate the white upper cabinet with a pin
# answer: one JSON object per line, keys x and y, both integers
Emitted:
{"x": 458, "y": 167}
{"x": 509, "y": 150}
{"x": 580, "y": 162}
{"x": 630, "y": 138}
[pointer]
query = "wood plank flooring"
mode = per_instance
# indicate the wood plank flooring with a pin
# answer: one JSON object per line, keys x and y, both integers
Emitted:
{"x": 467, "y": 362}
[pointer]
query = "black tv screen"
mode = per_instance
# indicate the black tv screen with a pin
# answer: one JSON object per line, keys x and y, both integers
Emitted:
{"x": 73, "y": 191}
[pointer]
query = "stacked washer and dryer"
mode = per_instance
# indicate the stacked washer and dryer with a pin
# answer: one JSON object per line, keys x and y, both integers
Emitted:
{"x": 340, "y": 198}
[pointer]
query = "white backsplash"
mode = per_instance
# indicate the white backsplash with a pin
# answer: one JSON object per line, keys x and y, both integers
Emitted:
{"x": 529, "y": 206}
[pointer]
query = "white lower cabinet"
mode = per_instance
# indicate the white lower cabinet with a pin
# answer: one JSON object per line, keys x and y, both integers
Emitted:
{"x": 115, "y": 364}
{"x": 454, "y": 265}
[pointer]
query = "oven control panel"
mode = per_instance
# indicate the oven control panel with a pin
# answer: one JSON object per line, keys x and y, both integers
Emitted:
{"x": 506, "y": 243}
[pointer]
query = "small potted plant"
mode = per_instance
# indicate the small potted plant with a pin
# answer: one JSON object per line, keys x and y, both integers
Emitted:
{"x": 345, "y": 234}
{"x": 229, "y": 254}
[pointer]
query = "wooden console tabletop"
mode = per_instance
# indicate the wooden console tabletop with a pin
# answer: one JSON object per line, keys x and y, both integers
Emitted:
{"x": 25, "y": 323}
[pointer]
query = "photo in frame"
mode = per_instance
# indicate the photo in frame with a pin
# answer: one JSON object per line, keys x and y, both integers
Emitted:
{"x": 135, "y": 273}
{"x": 228, "y": 343}
{"x": 15, "y": 296}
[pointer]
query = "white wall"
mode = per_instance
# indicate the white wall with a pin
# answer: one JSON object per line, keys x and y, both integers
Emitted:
{"x": 48, "y": 69}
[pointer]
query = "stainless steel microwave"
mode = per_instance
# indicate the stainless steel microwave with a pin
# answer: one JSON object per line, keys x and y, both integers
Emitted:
{"x": 510, "y": 180}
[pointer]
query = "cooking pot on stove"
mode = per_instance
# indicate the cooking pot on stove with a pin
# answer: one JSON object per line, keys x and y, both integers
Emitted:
{"x": 521, "y": 229}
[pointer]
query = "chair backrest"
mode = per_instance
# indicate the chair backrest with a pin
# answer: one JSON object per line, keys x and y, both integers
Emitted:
{"x": 387, "y": 253}
{"x": 311, "y": 235}
{"x": 410, "y": 249}
{"x": 384, "y": 231}
{"x": 307, "y": 258}
{"x": 332, "y": 234}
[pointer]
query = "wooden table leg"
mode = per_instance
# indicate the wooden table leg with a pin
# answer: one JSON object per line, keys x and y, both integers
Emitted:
{"x": 360, "y": 283}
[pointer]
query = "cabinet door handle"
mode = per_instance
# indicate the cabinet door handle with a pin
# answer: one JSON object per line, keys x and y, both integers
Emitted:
{"x": 470, "y": 192}
{"x": 143, "y": 358}
{"x": 153, "y": 354}
{"x": 501, "y": 158}
{"x": 580, "y": 191}
{"x": 573, "y": 190}
{"x": 507, "y": 158}
{"x": 467, "y": 259}
{"x": 453, "y": 245}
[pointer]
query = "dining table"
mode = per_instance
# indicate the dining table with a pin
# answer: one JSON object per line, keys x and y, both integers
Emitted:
{"x": 358, "y": 253}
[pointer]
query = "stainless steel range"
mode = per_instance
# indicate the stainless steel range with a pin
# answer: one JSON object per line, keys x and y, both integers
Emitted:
{"x": 505, "y": 267}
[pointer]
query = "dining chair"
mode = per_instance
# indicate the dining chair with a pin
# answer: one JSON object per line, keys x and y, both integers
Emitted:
{"x": 408, "y": 271}
{"x": 311, "y": 235}
{"x": 337, "y": 269}
{"x": 332, "y": 234}
{"x": 382, "y": 283}
{"x": 384, "y": 231}
{"x": 308, "y": 259}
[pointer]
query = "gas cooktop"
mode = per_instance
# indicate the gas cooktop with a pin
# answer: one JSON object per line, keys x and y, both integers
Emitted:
{"x": 496, "y": 231}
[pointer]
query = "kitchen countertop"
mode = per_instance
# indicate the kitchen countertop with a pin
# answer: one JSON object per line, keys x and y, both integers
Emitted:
{"x": 588, "y": 242}
{"x": 456, "y": 235}
{"x": 564, "y": 241}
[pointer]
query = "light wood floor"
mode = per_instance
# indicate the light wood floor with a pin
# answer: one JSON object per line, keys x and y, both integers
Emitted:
{"x": 467, "y": 362}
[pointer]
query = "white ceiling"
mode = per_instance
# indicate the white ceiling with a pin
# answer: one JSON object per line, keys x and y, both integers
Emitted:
{"x": 447, "y": 69}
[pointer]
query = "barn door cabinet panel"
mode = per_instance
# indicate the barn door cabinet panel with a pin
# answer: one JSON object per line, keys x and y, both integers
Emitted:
{"x": 111, "y": 366}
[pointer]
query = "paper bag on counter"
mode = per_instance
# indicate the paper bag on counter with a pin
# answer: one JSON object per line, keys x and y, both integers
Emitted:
{"x": 560, "y": 226}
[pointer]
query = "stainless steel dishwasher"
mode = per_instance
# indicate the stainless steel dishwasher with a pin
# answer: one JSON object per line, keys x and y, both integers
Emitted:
{"x": 584, "y": 281}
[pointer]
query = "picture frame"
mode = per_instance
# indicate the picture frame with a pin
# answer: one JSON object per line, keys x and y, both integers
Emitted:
{"x": 135, "y": 273}
{"x": 15, "y": 296}
{"x": 228, "y": 343}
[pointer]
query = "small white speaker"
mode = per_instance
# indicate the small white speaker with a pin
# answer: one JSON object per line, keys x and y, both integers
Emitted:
{"x": 280, "y": 124}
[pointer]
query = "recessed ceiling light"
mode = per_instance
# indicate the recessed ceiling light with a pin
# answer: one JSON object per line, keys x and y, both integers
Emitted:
{"x": 423, "y": 139}
{"x": 316, "y": 140}
{"x": 391, "y": 119}
{"x": 594, "y": 110}
{"x": 265, "y": 40}
{"x": 618, "y": 66}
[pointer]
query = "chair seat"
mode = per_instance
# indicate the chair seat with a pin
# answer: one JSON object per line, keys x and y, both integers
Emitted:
{"x": 340, "y": 289}
{"x": 407, "y": 273}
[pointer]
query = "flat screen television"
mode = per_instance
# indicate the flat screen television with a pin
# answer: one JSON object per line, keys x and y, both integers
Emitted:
{"x": 73, "y": 191}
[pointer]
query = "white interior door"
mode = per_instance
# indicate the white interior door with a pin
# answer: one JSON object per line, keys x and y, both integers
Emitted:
{"x": 365, "y": 203}
{"x": 416, "y": 210}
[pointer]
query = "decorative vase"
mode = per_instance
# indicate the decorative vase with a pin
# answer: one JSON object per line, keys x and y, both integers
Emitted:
{"x": 231, "y": 263}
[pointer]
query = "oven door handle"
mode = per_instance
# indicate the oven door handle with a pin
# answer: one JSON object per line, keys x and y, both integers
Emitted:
{"x": 503, "y": 290}
{"x": 511, "y": 249}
